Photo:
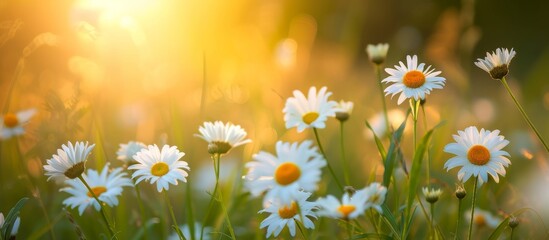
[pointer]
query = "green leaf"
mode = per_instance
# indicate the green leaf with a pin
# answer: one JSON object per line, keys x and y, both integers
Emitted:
{"x": 392, "y": 153}
{"x": 391, "y": 220}
{"x": 415, "y": 172}
{"x": 380, "y": 147}
{"x": 11, "y": 217}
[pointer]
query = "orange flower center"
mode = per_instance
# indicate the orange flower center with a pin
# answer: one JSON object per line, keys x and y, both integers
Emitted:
{"x": 413, "y": 79}
{"x": 480, "y": 220}
{"x": 478, "y": 155}
{"x": 10, "y": 120}
{"x": 287, "y": 173}
{"x": 97, "y": 191}
{"x": 310, "y": 117}
{"x": 288, "y": 211}
{"x": 160, "y": 169}
{"x": 346, "y": 210}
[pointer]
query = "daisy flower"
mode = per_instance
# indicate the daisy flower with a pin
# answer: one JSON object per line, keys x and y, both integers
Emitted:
{"x": 350, "y": 207}
{"x": 186, "y": 230}
{"x": 497, "y": 63}
{"x": 127, "y": 151}
{"x": 483, "y": 218}
{"x": 14, "y": 228}
{"x": 412, "y": 80}
{"x": 343, "y": 110}
{"x": 12, "y": 124}
{"x": 283, "y": 214}
{"x": 310, "y": 112}
{"x": 70, "y": 161}
{"x": 295, "y": 167}
{"x": 479, "y": 154}
{"x": 377, "y": 53}
{"x": 160, "y": 166}
{"x": 376, "y": 196}
{"x": 107, "y": 186}
{"x": 222, "y": 137}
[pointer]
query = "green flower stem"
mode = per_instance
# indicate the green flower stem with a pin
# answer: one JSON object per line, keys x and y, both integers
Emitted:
{"x": 349, "y": 229}
{"x": 343, "y": 159}
{"x": 427, "y": 152}
{"x": 190, "y": 214}
{"x": 473, "y": 209}
{"x": 385, "y": 115}
{"x": 141, "y": 210}
{"x": 524, "y": 114}
{"x": 217, "y": 160}
{"x": 103, "y": 214}
{"x": 175, "y": 225}
{"x": 432, "y": 221}
{"x": 327, "y": 162}
{"x": 298, "y": 223}
{"x": 458, "y": 220}
{"x": 512, "y": 231}
{"x": 212, "y": 199}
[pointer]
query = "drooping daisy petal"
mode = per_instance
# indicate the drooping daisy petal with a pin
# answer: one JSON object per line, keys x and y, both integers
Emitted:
{"x": 69, "y": 161}
{"x": 286, "y": 214}
{"x": 412, "y": 80}
{"x": 162, "y": 167}
{"x": 479, "y": 153}
{"x": 496, "y": 63}
{"x": 107, "y": 186}
{"x": 222, "y": 137}
{"x": 309, "y": 112}
{"x": 12, "y": 124}
{"x": 295, "y": 167}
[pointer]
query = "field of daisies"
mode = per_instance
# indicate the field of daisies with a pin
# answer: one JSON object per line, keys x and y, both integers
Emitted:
{"x": 271, "y": 120}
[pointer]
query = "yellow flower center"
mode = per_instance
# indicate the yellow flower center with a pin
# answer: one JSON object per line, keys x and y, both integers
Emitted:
{"x": 288, "y": 211}
{"x": 310, "y": 117}
{"x": 97, "y": 191}
{"x": 480, "y": 220}
{"x": 346, "y": 210}
{"x": 287, "y": 173}
{"x": 413, "y": 79}
{"x": 478, "y": 155}
{"x": 160, "y": 169}
{"x": 10, "y": 120}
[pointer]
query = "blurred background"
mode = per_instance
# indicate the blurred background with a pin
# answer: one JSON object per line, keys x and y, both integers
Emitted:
{"x": 111, "y": 71}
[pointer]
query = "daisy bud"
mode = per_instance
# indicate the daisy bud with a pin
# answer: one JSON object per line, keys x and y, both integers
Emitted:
{"x": 377, "y": 53}
{"x": 218, "y": 148}
{"x": 431, "y": 195}
{"x": 460, "y": 192}
{"x": 349, "y": 190}
{"x": 513, "y": 222}
{"x": 343, "y": 110}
